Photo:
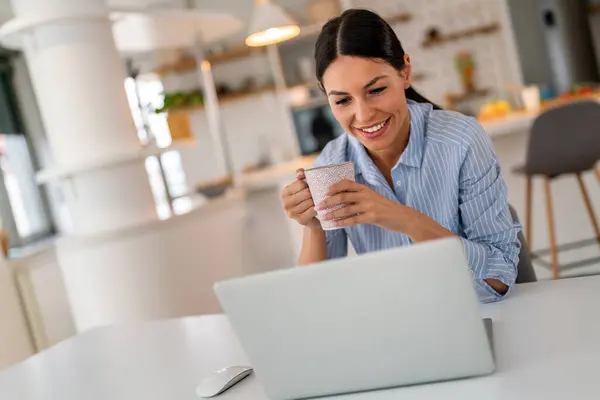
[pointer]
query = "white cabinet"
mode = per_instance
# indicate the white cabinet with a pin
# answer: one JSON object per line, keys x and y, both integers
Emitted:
{"x": 15, "y": 344}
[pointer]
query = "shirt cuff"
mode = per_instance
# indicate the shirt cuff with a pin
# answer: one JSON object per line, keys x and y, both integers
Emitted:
{"x": 478, "y": 257}
{"x": 488, "y": 294}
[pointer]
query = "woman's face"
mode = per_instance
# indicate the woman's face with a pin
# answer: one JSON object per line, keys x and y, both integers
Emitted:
{"x": 367, "y": 98}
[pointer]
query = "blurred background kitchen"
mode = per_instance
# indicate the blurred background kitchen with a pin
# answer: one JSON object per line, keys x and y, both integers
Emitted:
{"x": 144, "y": 144}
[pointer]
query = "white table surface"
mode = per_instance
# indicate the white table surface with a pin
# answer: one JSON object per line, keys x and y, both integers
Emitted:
{"x": 547, "y": 341}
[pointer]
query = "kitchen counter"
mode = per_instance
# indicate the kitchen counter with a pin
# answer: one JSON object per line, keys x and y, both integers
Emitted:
{"x": 274, "y": 175}
{"x": 515, "y": 122}
{"x": 521, "y": 121}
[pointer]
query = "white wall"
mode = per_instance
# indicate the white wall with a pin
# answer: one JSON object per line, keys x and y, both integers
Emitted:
{"x": 254, "y": 126}
{"x": 493, "y": 53}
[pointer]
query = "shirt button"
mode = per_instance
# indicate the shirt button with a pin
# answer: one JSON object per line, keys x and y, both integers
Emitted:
{"x": 398, "y": 183}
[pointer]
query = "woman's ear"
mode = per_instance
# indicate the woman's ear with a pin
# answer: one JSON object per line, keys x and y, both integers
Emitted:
{"x": 406, "y": 72}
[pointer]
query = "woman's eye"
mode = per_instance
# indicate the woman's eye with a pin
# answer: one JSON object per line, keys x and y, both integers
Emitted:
{"x": 342, "y": 102}
{"x": 378, "y": 90}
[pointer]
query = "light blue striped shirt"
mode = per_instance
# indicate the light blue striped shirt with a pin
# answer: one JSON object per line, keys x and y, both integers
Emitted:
{"x": 449, "y": 172}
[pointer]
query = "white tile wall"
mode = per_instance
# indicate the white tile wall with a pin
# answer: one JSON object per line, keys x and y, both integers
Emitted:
{"x": 494, "y": 54}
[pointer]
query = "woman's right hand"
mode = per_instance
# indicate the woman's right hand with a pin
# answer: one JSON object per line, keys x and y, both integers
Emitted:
{"x": 298, "y": 202}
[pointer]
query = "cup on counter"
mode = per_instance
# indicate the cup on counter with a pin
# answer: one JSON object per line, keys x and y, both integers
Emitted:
{"x": 319, "y": 181}
{"x": 531, "y": 98}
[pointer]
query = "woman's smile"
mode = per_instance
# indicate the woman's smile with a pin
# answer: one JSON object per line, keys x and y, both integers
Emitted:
{"x": 374, "y": 131}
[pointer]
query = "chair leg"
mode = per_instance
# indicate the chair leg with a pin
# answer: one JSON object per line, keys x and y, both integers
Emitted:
{"x": 551, "y": 232}
{"x": 529, "y": 212}
{"x": 588, "y": 206}
{"x": 597, "y": 172}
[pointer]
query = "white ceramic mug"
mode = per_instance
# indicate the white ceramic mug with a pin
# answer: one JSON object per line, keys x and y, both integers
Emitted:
{"x": 531, "y": 98}
{"x": 320, "y": 180}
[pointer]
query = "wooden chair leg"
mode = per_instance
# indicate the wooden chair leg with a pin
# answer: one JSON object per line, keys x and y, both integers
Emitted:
{"x": 529, "y": 212}
{"x": 551, "y": 232}
{"x": 588, "y": 206}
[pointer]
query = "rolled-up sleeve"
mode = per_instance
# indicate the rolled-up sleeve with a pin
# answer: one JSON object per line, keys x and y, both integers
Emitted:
{"x": 490, "y": 235}
{"x": 337, "y": 243}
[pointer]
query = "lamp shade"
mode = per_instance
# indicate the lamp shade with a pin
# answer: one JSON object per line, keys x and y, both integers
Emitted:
{"x": 142, "y": 31}
{"x": 270, "y": 24}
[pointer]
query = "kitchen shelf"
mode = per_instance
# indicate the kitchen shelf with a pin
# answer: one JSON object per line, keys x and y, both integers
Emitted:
{"x": 463, "y": 34}
{"x": 226, "y": 98}
{"x": 398, "y": 18}
{"x": 189, "y": 64}
{"x": 243, "y": 51}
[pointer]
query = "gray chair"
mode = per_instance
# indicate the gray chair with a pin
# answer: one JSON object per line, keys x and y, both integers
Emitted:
{"x": 525, "y": 271}
{"x": 563, "y": 140}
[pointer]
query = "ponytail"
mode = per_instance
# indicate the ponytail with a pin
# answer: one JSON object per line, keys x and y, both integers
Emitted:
{"x": 412, "y": 94}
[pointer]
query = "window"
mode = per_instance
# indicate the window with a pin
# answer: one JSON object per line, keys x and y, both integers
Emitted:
{"x": 166, "y": 175}
{"x": 23, "y": 205}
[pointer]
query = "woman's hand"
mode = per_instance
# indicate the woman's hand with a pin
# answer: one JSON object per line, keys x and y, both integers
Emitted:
{"x": 298, "y": 202}
{"x": 364, "y": 206}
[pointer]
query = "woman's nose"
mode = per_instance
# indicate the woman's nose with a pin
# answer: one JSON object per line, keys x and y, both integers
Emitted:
{"x": 364, "y": 113}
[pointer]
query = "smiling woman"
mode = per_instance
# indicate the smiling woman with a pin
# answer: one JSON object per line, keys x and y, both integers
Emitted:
{"x": 421, "y": 173}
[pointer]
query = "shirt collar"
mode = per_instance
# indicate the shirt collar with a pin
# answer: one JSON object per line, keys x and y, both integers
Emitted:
{"x": 412, "y": 155}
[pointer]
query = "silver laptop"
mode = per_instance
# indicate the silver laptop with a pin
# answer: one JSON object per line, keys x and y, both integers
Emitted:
{"x": 404, "y": 316}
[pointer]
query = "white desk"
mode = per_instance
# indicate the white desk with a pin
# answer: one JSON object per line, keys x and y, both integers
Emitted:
{"x": 547, "y": 339}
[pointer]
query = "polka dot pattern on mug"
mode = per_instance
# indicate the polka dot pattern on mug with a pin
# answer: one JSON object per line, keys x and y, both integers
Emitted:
{"x": 320, "y": 180}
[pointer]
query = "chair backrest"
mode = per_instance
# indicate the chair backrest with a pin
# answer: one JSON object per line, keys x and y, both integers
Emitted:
{"x": 565, "y": 139}
{"x": 525, "y": 271}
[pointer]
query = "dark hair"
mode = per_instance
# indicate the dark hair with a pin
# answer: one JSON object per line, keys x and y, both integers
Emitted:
{"x": 361, "y": 33}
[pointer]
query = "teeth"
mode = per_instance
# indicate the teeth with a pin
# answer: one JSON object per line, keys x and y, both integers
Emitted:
{"x": 374, "y": 128}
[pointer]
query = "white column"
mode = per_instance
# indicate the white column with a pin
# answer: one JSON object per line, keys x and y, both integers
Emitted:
{"x": 211, "y": 105}
{"x": 120, "y": 264}
{"x": 276, "y": 68}
{"x": 287, "y": 143}
{"x": 78, "y": 78}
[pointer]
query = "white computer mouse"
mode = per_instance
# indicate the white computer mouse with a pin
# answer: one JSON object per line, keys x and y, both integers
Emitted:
{"x": 222, "y": 380}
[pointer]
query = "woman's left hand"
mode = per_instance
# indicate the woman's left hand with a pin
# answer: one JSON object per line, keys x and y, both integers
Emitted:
{"x": 364, "y": 206}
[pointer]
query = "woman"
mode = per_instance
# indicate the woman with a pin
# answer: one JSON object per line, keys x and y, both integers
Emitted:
{"x": 421, "y": 173}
